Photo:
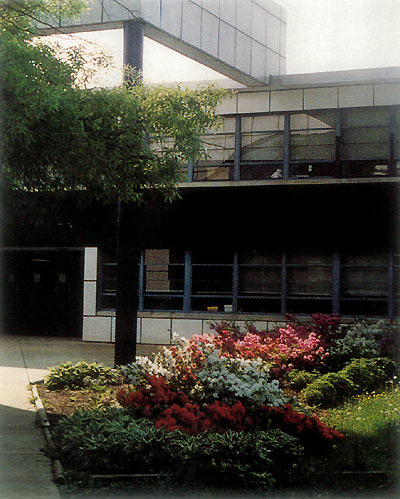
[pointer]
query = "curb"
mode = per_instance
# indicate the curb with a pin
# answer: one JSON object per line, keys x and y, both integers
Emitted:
{"x": 58, "y": 470}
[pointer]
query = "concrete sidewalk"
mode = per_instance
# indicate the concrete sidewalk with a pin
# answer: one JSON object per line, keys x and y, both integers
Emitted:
{"x": 25, "y": 472}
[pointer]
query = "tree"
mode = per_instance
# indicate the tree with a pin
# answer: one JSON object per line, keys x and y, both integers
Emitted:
{"x": 59, "y": 136}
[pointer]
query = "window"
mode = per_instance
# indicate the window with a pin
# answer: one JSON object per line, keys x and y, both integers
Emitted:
{"x": 163, "y": 276}
{"x": 312, "y": 136}
{"x": 259, "y": 287}
{"x": 107, "y": 279}
{"x": 365, "y": 142}
{"x": 364, "y": 284}
{"x": 312, "y": 144}
{"x": 212, "y": 274}
{"x": 262, "y": 146}
{"x": 309, "y": 283}
{"x": 219, "y": 149}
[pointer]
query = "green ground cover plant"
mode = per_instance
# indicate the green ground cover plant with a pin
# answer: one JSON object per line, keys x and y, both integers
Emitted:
{"x": 81, "y": 375}
{"x": 243, "y": 409}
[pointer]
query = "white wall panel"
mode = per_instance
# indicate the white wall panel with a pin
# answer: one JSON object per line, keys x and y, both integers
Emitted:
{"x": 187, "y": 327}
{"x": 227, "y": 43}
{"x": 89, "y": 298}
{"x": 209, "y": 35}
{"x": 287, "y": 100}
{"x": 90, "y": 264}
{"x": 320, "y": 98}
{"x": 356, "y": 96}
{"x": 387, "y": 93}
{"x": 171, "y": 17}
{"x": 191, "y": 23}
{"x": 243, "y": 55}
{"x": 97, "y": 329}
{"x": 156, "y": 331}
{"x": 253, "y": 102}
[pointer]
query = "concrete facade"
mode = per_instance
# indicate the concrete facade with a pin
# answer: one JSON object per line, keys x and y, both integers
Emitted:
{"x": 242, "y": 39}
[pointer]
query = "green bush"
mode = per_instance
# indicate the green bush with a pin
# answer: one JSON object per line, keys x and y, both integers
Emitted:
{"x": 81, "y": 375}
{"x": 111, "y": 441}
{"x": 300, "y": 379}
{"x": 241, "y": 459}
{"x": 360, "y": 375}
{"x": 369, "y": 374}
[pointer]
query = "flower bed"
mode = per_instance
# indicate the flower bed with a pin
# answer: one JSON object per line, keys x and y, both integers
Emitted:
{"x": 228, "y": 404}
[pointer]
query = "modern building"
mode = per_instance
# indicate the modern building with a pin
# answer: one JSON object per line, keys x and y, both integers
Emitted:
{"x": 295, "y": 211}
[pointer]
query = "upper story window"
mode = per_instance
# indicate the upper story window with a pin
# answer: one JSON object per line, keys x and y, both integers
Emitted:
{"x": 219, "y": 149}
{"x": 397, "y": 136}
{"x": 365, "y": 134}
{"x": 312, "y": 136}
{"x": 262, "y": 138}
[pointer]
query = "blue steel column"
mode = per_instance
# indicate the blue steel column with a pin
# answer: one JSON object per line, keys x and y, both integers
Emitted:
{"x": 392, "y": 144}
{"x": 133, "y": 45}
{"x": 187, "y": 291}
{"x": 338, "y": 143}
{"x": 390, "y": 286}
{"x": 284, "y": 283}
{"x": 128, "y": 231}
{"x": 286, "y": 148}
{"x": 235, "y": 283}
{"x": 336, "y": 283}
{"x": 141, "y": 282}
{"x": 238, "y": 147}
{"x": 190, "y": 171}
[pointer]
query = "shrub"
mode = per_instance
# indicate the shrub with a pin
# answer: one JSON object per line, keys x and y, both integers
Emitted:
{"x": 369, "y": 374}
{"x": 258, "y": 458}
{"x": 358, "y": 376}
{"x": 311, "y": 432}
{"x": 329, "y": 390}
{"x": 359, "y": 340}
{"x": 111, "y": 441}
{"x": 299, "y": 379}
{"x": 80, "y": 375}
{"x": 229, "y": 379}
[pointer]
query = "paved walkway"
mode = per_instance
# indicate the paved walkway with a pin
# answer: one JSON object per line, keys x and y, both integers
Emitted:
{"x": 25, "y": 472}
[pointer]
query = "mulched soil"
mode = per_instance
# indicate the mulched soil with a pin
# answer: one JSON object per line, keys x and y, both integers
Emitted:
{"x": 59, "y": 403}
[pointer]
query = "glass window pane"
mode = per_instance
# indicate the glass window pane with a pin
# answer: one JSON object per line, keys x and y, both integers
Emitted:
{"x": 363, "y": 117}
{"x": 262, "y": 123}
{"x": 309, "y": 275}
{"x": 312, "y": 120}
{"x": 364, "y": 275}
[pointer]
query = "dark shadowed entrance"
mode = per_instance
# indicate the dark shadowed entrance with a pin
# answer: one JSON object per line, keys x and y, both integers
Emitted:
{"x": 43, "y": 291}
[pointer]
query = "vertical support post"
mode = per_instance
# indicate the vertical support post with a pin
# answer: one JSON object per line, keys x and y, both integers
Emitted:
{"x": 338, "y": 143}
{"x": 187, "y": 291}
{"x": 133, "y": 47}
{"x": 390, "y": 286}
{"x": 284, "y": 283}
{"x": 127, "y": 285}
{"x": 127, "y": 223}
{"x": 190, "y": 171}
{"x": 336, "y": 283}
{"x": 235, "y": 282}
{"x": 392, "y": 144}
{"x": 238, "y": 147}
{"x": 286, "y": 149}
{"x": 141, "y": 282}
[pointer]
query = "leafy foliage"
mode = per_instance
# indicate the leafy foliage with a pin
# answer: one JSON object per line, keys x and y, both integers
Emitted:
{"x": 358, "y": 376}
{"x": 111, "y": 441}
{"x": 80, "y": 375}
{"x": 59, "y": 136}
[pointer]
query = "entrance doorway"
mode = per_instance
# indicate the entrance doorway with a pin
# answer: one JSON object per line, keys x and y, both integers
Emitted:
{"x": 43, "y": 291}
